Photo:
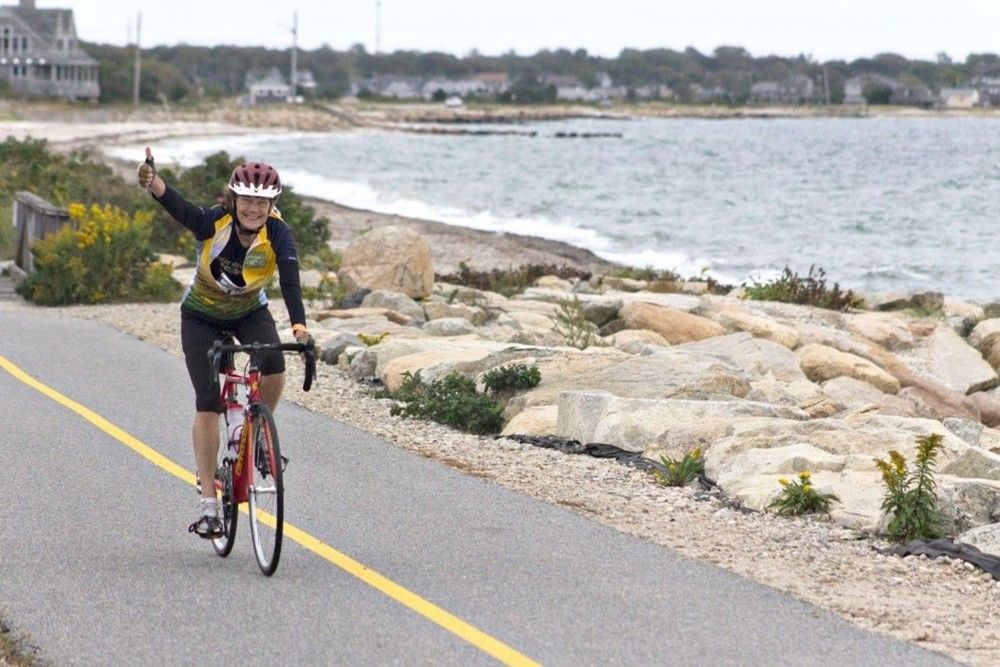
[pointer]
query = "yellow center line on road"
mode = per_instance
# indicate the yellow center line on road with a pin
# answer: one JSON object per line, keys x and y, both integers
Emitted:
{"x": 428, "y": 610}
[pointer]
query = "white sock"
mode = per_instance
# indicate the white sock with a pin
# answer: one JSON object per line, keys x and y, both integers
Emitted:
{"x": 209, "y": 507}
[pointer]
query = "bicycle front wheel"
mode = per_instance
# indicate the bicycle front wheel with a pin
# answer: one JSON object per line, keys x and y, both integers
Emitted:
{"x": 228, "y": 510}
{"x": 266, "y": 491}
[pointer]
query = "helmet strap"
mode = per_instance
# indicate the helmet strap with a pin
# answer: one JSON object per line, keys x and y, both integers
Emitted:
{"x": 246, "y": 231}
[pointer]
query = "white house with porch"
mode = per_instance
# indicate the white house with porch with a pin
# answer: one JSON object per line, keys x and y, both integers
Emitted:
{"x": 40, "y": 55}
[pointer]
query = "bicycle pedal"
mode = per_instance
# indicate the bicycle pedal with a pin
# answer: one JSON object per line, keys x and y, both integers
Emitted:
{"x": 284, "y": 462}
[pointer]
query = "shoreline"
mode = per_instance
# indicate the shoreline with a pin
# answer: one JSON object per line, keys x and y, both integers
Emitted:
{"x": 451, "y": 245}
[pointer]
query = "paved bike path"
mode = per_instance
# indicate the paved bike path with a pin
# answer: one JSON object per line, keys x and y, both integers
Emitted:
{"x": 96, "y": 565}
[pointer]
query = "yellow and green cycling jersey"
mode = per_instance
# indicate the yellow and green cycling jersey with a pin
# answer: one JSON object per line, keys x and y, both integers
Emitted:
{"x": 229, "y": 280}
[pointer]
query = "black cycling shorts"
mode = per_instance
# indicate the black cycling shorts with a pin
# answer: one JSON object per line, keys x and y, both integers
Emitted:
{"x": 198, "y": 334}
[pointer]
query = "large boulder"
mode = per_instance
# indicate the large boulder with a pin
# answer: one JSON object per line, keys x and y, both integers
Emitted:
{"x": 394, "y": 301}
{"x": 860, "y": 396}
{"x": 538, "y": 420}
{"x": 944, "y": 358}
{"x": 437, "y": 309}
{"x": 756, "y": 356}
{"x": 821, "y": 363}
{"x": 635, "y": 341}
{"x": 762, "y": 327}
{"x": 889, "y": 331}
{"x": 657, "y": 426}
{"x": 840, "y": 453}
{"x": 675, "y": 326}
{"x": 803, "y": 394}
{"x": 984, "y": 330}
{"x": 388, "y": 258}
{"x": 448, "y": 326}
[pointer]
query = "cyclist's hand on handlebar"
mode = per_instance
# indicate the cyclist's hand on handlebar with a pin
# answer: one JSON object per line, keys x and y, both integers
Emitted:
{"x": 303, "y": 336}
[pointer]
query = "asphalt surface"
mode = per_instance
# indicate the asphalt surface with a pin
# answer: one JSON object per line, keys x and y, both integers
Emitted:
{"x": 96, "y": 565}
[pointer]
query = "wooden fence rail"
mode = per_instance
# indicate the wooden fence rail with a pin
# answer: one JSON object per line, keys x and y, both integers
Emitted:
{"x": 34, "y": 218}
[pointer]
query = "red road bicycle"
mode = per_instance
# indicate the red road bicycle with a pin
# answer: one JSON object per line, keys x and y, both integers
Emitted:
{"x": 250, "y": 462}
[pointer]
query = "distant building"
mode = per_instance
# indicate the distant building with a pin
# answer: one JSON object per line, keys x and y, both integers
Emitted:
{"x": 858, "y": 90}
{"x": 960, "y": 98}
{"x": 796, "y": 89}
{"x": 989, "y": 90}
{"x": 269, "y": 89}
{"x": 654, "y": 92}
{"x": 453, "y": 88}
{"x": 304, "y": 81}
{"x": 388, "y": 85}
{"x": 494, "y": 83}
{"x": 40, "y": 55}
{"x": 568, "y": 88}
{"x": 707, "y": 94}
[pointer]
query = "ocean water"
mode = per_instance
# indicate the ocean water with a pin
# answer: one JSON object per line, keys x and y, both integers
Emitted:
{"x": 878, "y": 203}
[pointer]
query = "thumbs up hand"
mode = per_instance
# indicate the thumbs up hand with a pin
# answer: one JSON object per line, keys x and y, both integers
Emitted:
{"x": 146, "y": 171}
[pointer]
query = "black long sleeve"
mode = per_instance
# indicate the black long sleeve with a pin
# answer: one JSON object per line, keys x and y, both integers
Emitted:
{"x": 197, "y": 219}
{"x": 291, "y": 290}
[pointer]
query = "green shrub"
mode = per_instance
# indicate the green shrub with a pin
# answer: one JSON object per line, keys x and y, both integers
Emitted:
{"x": 910, "y": 495}
{"x": 572, "y": 324}
{"x": 452, "y": 401}
{"x": 511, "y": 378}
{"x": 101, "y": 256}
{"x": 509, "y": 281}
{"x": 800, "y": 497}
{"x": 810, "y": 290}
{"x": 683, "y": 472}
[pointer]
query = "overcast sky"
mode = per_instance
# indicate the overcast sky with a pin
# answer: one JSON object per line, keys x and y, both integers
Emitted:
{"x": 825, "y": 29}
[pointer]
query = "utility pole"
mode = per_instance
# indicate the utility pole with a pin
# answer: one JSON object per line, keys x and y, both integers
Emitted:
{"x": 826, "y": 87}
{"x": 378, "y": 26}
{"x": 295, "y": 53}
{"x": 138, "y": 66}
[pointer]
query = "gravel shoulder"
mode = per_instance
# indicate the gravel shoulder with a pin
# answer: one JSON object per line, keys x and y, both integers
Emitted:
{"x": 944, "y": 605}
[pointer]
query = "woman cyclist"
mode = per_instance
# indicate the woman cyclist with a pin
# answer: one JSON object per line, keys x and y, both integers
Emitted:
{"x": 240, "y": 246}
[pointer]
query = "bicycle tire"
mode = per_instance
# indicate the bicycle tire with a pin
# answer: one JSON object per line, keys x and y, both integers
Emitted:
{"x": 267, "y": 491}
{"x": 228, "y": 510}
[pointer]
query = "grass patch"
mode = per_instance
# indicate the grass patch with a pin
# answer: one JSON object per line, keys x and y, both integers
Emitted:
{"x": 452, "y": 401}
{"x": 801, "y": 497}
{"x": 682, "y": 472}
{"x": 810, "y": 290}
{"x": 572, "y": 324}
{"x": 509, "y": 281}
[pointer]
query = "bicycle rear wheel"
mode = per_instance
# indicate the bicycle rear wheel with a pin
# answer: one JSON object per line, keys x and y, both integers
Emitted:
{"x": 228, "y": 510}
{"x": 266, "y": 491}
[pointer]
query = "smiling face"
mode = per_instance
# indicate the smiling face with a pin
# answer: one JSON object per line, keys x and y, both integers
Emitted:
{"x": 252, "y": 211}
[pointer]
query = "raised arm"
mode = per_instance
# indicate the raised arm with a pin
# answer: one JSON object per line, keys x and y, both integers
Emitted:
{"x": 195, "y": 218}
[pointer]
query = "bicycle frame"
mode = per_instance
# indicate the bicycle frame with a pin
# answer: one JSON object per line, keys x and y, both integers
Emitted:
{"x": 243, "y": 464}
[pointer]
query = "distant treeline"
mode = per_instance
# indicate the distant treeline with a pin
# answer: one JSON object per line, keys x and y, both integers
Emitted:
{"x": 192, "y": 72}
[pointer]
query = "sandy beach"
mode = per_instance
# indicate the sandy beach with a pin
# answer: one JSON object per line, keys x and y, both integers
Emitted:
{"x": 946, "y": 606}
